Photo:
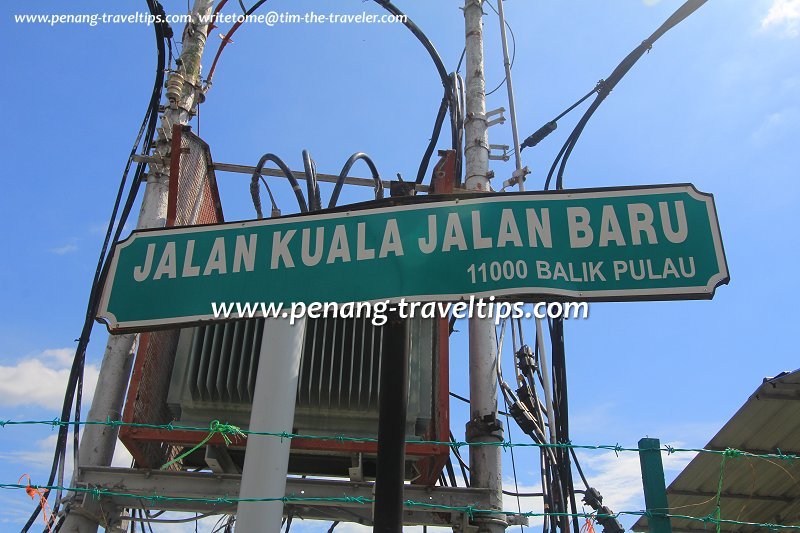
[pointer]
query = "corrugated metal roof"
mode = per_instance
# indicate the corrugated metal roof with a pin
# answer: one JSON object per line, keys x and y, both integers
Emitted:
{"x": 753, "y": 489}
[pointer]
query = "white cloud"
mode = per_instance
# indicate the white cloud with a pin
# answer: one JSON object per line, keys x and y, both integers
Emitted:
{"x": 526, "y": 504}
{"x": 40, "y": 455}
{"x": 619, "y": 479}
{"x": 66, "y": 249}
{"x": 650, "y": 3}
{"x": 36, "y": 457}
{"x": 62, "y": 356}
{"x": 772, "y": 125}
{"x": 783, "y": 14}
{"x": 41, "y": 380}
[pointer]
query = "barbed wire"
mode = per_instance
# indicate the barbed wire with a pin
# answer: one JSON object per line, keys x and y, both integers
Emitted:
{"x": 215, "y": 427}
{"x": 469, "y": 510}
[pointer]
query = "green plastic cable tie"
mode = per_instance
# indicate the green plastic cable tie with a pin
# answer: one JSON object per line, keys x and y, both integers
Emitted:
{"x": 215, "y": 428}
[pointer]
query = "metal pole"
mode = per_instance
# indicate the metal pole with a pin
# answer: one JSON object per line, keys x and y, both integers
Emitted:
{"x": 510, "y": 89}
{"x": 485, "y": 461}
{"x": 655, "y": 491}
{"x": 548, "y": 394}
{"x": 266, "y": 458}
{"x": 98, "y": 442}
{"x": 390, "y": 472}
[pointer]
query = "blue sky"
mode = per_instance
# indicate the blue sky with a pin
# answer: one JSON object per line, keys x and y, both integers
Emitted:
{"x": 714, "y": 103}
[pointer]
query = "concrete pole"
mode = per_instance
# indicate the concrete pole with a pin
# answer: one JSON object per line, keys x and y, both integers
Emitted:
{"x": 485, "y": 461}
{"x": 98, "y": 442}
{"x": 266, "y": 458}
{"x": 476, "y": 148}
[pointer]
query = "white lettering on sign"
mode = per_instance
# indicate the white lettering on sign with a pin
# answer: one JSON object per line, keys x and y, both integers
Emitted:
{"x": 634, "y": 224}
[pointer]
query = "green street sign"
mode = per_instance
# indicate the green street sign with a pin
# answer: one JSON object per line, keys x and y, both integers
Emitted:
{"x": 610, "y": 244}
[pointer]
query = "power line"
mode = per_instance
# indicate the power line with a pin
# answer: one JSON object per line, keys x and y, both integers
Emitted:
{"x": 143, "y": 138}
{"x": 611, "y": 81}
{"x": 513, "y": 50}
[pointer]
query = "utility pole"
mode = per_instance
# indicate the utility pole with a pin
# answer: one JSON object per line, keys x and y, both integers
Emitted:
{"x": 98, "y": 442}
{"x": 485, "y": 461}
{"x": 266, "y": 458}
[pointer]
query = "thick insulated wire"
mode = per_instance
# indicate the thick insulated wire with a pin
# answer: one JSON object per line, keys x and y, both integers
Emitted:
{"x": 254, "y": 187}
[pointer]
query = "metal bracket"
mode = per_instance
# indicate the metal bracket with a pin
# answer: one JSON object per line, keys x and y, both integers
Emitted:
{"x": 487, "y": 117}
{"x": 219, "y": 460}
{"x": 517, "y": 520}
{"x": 499, "y": 157}
{"x": 464, "y": 525}
{"x": 356, "y": 471}
{"x": 518, "y": 176}
{"x": 109, "y": 518}
{"x": 499, "y": 120}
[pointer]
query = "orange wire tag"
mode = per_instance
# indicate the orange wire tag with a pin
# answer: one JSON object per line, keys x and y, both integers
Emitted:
{"x": 588, "y": 527}
{"x": 33, "y": 493}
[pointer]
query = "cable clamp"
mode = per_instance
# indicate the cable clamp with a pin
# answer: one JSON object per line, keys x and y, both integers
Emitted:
{"x": 517, "y": 177}
{"x": 478, "y": 143}
{"x": 487, "y": 117}
{"x": 485, "y": 428}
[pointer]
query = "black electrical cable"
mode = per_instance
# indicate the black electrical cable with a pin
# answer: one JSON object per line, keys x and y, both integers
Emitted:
{"x": 440, "y": 68}
{"x": 422, "y": 38}
{"x": 560, "y": 398}
{"x": 437, "y": 128}
{"x": 459, "y": 397}
{"x": 461, "y": 120}
{"x": 151, "y": 520}
{"x": 580, "y": 101}
{"x": 254, "y": 189}
{"x": 503, "y": 387}
{"x": 317, "y": 195}
{"x": 619, "y": 72}
{"x": 466, "y": 400}
{"x": 523, "y": 494}
{"x": 560, "y": 407}
{"x": 580, "y": 470}
{"x": 457, "y": 123}
{"x": 455, "y": 118}
{"x": 451, "y": 473}
{"x": 549, "y": 127}
{"x": 376, "y": 177}
{"x": 148, "y": 127}
{"x": 314, "y": 202}
{"x": 145, "y": 514}
{"x": 275, "y": 209}
{"x": 461, "y": 463}
{"x": 461, "y": 59}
